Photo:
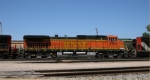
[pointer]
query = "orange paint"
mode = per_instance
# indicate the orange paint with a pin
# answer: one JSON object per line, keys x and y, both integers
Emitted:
{"x": 111, "y": 42}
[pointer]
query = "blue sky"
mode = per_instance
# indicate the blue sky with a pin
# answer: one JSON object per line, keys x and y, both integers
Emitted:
{"x": 124, "y": 18}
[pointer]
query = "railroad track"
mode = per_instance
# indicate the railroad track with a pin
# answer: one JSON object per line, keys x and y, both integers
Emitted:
{"x": 77, "y": 72}
{"x": 47, "y": 73}
{"x": 76, "y": 60}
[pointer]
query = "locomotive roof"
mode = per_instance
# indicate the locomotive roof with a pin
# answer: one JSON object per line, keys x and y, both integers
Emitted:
{"x": 56, "y": 37}
{"x": 125, "y": 38}
{"x": 91, "y": 36}
{"x": 2, "y": 36}
{"x": 63, "y": 37}
{"x": 82, "y": 37}
{"x": 35, "y": 36}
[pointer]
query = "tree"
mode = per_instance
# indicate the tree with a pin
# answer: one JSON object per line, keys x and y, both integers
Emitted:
{"x": 148, "y": 28}
{"x": 146, "y": 34}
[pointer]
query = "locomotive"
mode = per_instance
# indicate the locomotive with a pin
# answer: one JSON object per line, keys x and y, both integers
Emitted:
{"x": 6, "y": 50}
{"x": 89, "y": 46}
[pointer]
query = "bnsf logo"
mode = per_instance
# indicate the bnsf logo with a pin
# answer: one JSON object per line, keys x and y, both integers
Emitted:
{"x": 75, "y": 44}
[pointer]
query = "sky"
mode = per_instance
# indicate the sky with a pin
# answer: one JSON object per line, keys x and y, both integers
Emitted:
{"x": 123, "y": 18}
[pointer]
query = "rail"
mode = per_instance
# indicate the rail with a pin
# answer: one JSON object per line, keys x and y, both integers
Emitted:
{"x": 76, "y": 72}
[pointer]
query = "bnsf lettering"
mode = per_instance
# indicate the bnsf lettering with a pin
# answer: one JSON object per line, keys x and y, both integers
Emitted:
{"x": 75, "y": 44}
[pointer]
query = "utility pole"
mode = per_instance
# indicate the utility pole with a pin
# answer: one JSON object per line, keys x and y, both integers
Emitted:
{"x": 96, "y": 31}
{"x": 149, "y": 12}
{"x": 0, "y": 28}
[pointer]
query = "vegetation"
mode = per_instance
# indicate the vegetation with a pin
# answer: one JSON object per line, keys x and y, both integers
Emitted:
{"x": 146, "y": 34}
{"x": 148, "y": 28}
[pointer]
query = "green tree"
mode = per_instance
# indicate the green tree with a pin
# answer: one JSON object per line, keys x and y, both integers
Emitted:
{"x": 145, "y": 34}
{"x": 148, "y": 28}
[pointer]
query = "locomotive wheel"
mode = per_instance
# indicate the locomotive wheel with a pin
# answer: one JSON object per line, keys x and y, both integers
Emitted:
{"x": 54, "y": 55}
{"x": 120, "y": 56}
{"x": 99, "y": 55}
{"x": 130, "y": 56}
{"x": 38, "y": 55}
{"x": 4, "y": 56}
{"x": 27, "y": 55}
{"x": 110, "y": 55}
{"x": 125, "y": 55}
{"x": 59, "y": 60}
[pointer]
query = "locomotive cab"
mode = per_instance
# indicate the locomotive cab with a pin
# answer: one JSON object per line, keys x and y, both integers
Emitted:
{"x": 115, "y": 47}
{"x": 114, "y": 43}
{"x": 112, "y": 40}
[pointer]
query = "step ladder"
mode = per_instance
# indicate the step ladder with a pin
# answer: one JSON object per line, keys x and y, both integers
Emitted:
{"x": 10, "y": 53}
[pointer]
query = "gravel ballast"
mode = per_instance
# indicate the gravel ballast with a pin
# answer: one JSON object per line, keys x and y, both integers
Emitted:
{"x": 21, "y": 66}
{"x": 130, "y": 76}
